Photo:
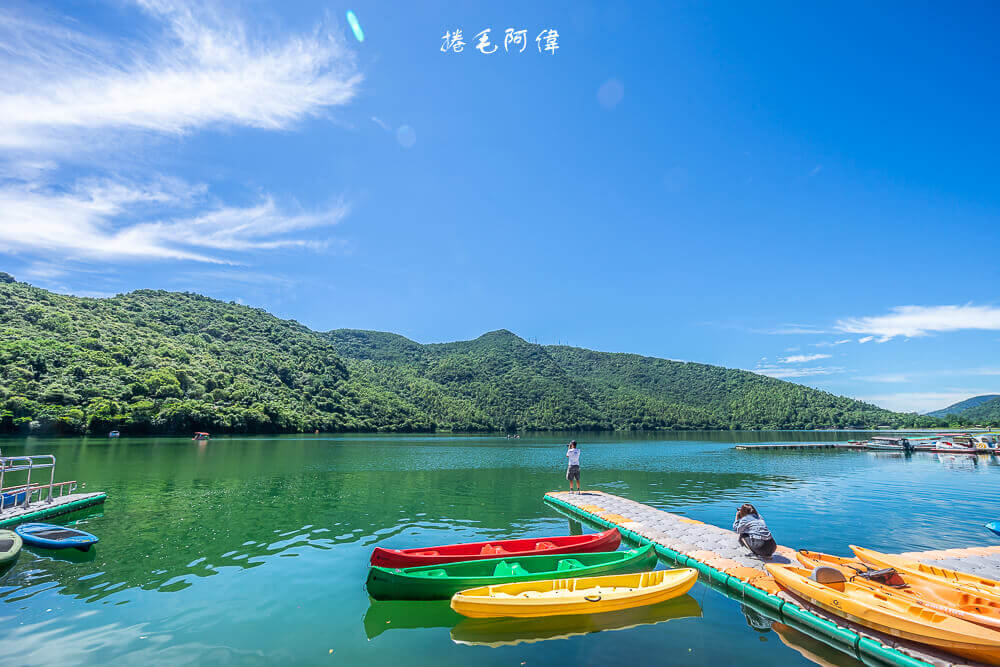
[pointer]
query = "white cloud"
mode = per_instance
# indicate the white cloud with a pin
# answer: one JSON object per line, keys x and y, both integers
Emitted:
{"x": 803, "y": 358}
{"x": 913, "y": 321}
{"x": 791, "y": 329}
{"x": 917, "y": 401}
{"x": 833, "y": 343}
{"x": 93, "y": 221}
{"x": 67, "y": 91}
{"x": 866, "y": 339}
{"x": 783, "y": 372}
{"x": 60, "y": 87}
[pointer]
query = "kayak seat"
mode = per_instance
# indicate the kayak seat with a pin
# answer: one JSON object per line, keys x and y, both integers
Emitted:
{"x": 428, "y": 553}
{"x": 569, "y": 564}
{"x": 828, "y": 575}
{"x": 544, "y": 545}
{"x": 505, "y": 569}
{"x": 439, "y": 572}
{"x": 490, "y": 550}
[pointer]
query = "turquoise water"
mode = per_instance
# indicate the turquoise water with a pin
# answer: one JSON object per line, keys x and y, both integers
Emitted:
{"x": 254, "y": 550}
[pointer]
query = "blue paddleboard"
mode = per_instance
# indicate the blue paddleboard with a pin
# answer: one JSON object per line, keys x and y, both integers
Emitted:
{"x": 49, "y": 536}
{"x": 993, "y": 527}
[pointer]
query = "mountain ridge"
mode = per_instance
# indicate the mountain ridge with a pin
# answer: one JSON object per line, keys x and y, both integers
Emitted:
{"x": 152, "y": 361}
{"x": 962, "y": 406}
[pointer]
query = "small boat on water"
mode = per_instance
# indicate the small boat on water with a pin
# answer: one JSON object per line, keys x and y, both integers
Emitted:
{"x": 450, "y": 553}
{"x": 51, "y": 536}
{"x": 440, "y": 582}
{"x": 200, "y": 435}
{"x": 114, "y": 434}
{"x": 969, "y": 582}
{"x": 582, "y": 595}
{"x": 10, "y": 547}
{"x": 982, "y": 608}
{"x": 829, "y": 589}
{"x": 993, "y": 527}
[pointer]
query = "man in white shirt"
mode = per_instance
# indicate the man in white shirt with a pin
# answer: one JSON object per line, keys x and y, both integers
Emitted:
{"x": 573, "y": 472}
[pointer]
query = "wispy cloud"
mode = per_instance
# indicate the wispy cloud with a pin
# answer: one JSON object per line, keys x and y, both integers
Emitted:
{"x": 86, "y": 222}
{"x": 818, "y": 168}
{"x": 60, "y": 87}
{"x": 832, "y": 343}
{"x": 914, "y": 321}
{"x": 911, "y": 376}
{"x": 784, "y": 372}
{"x": 66, "y": 91}
{"x": 792, "y": 329}
{"x": 803, "y": 358}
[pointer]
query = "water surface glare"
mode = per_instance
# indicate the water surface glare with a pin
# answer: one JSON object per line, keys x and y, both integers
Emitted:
{"x": 255, "y": 550}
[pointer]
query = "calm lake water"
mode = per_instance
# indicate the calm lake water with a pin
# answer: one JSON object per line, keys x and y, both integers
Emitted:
{"x": 255, "y": 550}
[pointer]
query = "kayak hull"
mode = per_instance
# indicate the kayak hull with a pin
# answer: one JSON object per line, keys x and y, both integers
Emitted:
{"x": 980, "y": 608}
{"x": 10, "y": 547}
{"x": 51, "y": 536}
{"x": 608, "y": 540}
{"x": 993, "y": 527}
{"x": 582, "y": 595}
{"x": 892, "y": 615}
{"x": 440, "y": 582}
{"x": 961, "y": 580}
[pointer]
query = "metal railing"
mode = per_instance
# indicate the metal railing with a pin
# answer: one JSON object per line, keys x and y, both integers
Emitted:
{"x": 21, "y": 495}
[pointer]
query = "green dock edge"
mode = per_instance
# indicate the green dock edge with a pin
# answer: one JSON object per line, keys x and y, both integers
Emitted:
{"x": 55, "y": 510}
{"x": 860, "y": 646}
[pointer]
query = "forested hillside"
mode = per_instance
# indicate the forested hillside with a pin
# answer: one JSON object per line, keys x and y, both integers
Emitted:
{"x": 167, "y": 362}
{"x": 960, "y": 408}
{"x": 504, "y": 376}
{"x": 985, "y": 413}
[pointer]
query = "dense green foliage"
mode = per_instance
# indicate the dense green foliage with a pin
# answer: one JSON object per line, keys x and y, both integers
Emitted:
{"x": 153, "y": 361}
{"x": 978, "y": 411}
{"x": 164, "y": 362}
{"x": 958, "y": 409}
{"x": 508, "y": 382}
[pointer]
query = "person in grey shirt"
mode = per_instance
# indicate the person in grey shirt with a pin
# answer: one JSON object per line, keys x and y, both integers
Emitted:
{"x": 753, "y": 532}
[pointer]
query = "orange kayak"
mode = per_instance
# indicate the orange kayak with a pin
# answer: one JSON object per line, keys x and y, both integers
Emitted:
{"x": 896, "y": 615}
{"x": 933, "y": 593}
{"x": 962, "y": 580}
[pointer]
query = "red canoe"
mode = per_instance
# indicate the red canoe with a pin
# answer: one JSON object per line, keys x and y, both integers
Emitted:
{"x": 531, "y": 546}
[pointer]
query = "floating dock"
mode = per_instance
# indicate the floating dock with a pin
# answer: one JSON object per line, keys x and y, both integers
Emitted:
{"x": 718, "y": 556}
{"x": 44, "y": 509}
{"x": 802, "y": 445}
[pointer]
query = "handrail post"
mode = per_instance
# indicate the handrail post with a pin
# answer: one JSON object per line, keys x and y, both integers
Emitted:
{"x": 27, "y": 485}
{"x": 52, "y": 478}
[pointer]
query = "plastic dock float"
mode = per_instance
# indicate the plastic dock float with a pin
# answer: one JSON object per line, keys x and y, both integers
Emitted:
{"x": 725, "y": 564}
{"x": 44, "y": 509}
{"x": 802, "y": 445}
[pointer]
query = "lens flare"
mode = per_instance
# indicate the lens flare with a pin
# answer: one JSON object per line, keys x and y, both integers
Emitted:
{"x": 355, "y": 26}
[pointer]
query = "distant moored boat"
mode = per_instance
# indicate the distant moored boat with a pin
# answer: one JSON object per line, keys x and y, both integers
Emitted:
{"x": 200, "y": 435}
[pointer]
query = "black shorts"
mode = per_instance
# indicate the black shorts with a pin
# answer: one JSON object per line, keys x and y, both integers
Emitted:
{"x": 573, "y": 473}
{"x": 763, "y": 549}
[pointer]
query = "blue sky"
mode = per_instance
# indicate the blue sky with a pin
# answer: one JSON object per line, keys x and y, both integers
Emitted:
{"x": 809, "y": 192}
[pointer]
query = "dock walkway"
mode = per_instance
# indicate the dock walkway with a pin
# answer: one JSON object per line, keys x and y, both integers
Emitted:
{"x": 718, "y": 556}
{"x": 44, "y": 509}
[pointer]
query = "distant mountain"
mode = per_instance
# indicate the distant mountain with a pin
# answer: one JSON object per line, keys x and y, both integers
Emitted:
{"x": 165, "y": 362}
{"x": 960, "y": 407}
{"x": 501, "y": 380}
{"x": 987, "y": 412}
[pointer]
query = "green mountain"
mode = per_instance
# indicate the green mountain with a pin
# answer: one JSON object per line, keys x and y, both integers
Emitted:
{"x": 960, "y": 408}
{"x": 511, "y": 383}
{"x": 167, "y": 362}
{"x": 987, "y": 412}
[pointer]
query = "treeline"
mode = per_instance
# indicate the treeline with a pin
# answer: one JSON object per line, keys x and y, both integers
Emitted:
{"x": 167, "y": 362}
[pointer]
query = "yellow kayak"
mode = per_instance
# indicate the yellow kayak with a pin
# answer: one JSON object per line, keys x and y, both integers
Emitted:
{"x": 969, "y": 582}
{"x": 583, "y": 595}
{"x": 899, "y": 616}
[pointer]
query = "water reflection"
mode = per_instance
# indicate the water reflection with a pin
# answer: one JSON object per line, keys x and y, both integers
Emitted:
{"x": 496, "y": 632}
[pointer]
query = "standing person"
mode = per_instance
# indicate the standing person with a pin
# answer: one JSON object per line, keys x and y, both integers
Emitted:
{"x": 573, "y": 472}
{"x": 754, "y": 533}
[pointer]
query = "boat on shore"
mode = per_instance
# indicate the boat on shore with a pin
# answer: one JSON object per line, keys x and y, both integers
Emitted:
{"x": 609, "y": 540}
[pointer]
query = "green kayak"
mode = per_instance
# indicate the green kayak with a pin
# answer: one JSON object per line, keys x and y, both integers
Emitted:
{"x": 440, "y": 582}
{"x": 10, "y": 547}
